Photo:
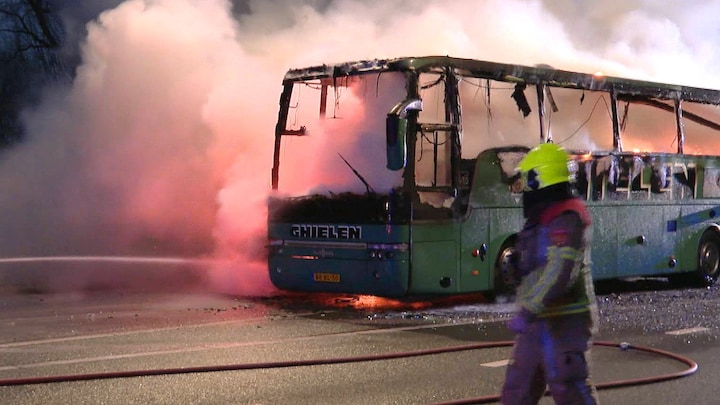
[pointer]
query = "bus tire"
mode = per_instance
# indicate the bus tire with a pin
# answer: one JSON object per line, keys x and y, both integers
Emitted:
{"x": 503, "y": 275}
{"x": 708, "y": 261}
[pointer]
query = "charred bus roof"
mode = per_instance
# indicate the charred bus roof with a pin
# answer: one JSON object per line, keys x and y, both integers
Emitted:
{"x": 625, "y": 89}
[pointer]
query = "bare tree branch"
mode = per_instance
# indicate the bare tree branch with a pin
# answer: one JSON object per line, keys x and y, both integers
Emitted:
{"x": 42, "y": 12}
{"x": 31, "y": 20}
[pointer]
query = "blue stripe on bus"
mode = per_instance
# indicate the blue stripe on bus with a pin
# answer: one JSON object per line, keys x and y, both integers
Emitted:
{"x": 698, "y": 217}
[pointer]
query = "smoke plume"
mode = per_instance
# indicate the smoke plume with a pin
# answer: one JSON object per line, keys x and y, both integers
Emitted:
{"x": 162, "y": 146}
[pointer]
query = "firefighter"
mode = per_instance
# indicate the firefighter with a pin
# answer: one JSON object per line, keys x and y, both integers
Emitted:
{"x": 555, "y": 320}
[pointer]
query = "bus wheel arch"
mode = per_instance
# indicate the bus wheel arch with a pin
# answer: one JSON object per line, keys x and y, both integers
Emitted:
{"x": 503, "y": 275}
{"x": 708, "y": 257}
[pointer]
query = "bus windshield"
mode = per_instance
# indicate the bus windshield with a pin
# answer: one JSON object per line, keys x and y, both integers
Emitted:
{"x": 340, "y": 142}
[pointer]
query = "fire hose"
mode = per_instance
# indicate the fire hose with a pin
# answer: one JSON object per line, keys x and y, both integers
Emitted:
{"x": 691, "y": 368}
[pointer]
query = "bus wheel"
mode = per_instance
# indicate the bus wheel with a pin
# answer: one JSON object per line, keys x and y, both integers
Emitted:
{"x": 709, "y": 258}
{"x": 504, "y": 275}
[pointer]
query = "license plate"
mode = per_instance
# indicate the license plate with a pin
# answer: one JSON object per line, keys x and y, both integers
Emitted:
{"x": 326, "y": 277}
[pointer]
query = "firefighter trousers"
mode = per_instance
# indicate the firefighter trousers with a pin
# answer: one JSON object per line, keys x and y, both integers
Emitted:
{"x": 551, "y": 353}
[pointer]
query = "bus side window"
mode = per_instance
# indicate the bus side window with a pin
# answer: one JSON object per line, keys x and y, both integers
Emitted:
{"x": 684, "y": 183}
{"x": 618, "y": 180}
{"x": 507, "y": 162}
{"x": 623, "y": 175}
{"x": 467, "y": 170}
{"x": 604, "y": 177}
{"x": 582, "y": 179}
{"x": 639, "y": 175}
{"x": 631, "y": 181}
{"x": 660, "y": 178}
{"x": 711, "y": 184}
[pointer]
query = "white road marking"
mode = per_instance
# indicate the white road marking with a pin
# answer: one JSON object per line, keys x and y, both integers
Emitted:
{"x": 687, "y": 331}
{"x": 499, "y": 363}
{"x": 198, "y": 348}
{"x": 133, "y": 332}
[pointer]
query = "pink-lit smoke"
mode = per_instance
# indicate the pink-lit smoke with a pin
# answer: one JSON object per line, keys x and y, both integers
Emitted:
{"x": 162, "y": 146}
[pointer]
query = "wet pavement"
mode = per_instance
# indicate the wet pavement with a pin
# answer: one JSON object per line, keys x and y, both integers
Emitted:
{"x": 196, "y": 347}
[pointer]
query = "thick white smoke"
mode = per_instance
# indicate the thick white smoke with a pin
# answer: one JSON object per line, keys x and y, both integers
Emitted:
{"x": 163, "y": 143}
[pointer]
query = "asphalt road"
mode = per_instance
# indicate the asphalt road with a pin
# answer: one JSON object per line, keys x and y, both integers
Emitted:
{"x": 198, "y": 348}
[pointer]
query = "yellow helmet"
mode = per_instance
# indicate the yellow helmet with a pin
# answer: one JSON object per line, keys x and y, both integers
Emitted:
{"x": 545, "y": 165}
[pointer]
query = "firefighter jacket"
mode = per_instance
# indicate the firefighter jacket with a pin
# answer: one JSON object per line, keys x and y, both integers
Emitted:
{"x": 554, "y": 265}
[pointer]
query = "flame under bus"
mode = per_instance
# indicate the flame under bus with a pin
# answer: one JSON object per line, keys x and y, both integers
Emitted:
{"x": 397, "y": 177}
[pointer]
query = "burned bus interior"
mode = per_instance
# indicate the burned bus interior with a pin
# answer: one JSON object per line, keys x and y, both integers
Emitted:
{"x": 458, "y": 108}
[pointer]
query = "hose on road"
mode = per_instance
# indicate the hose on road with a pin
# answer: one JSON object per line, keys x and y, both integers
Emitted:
{"x": 691, "y": 368}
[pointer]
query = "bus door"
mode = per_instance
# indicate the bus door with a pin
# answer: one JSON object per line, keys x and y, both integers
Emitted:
{"x": 435, "y": 226}
{"x": 493, "y": 216}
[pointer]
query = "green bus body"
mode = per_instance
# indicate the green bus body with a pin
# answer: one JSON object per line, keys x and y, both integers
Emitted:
{"x": 653, "y": 213}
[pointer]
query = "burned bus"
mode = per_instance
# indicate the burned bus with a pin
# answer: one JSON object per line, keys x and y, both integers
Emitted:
{"x": 398, "y": 177}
